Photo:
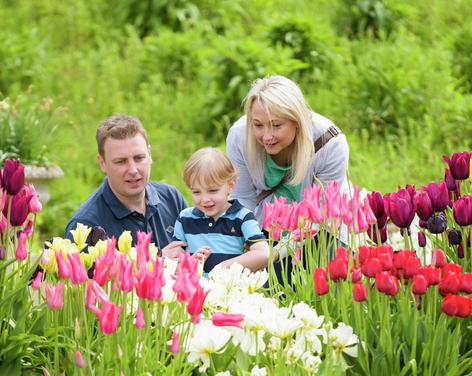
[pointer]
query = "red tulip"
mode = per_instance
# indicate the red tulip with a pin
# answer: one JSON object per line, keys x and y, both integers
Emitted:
{"x": 432, "y": 274}
{"x": 371, "y": 267}
{"x": 337, "y": 269}
{"x": 54, "y": 295}
{"x": 356, "y": 274}
{"x": 320, "y": 281}
{"x": 459, "y": 165}
{"x": 359, "y": 292}
{"x": 439, "y": 259}
{"x": 456, "y": 305}
{"x": 386, "y": 283}
{"x": 227, "y": 319}
{"x": 195, "y": 305}
{"x": 449, "y": 284}
{"x": 420, "y": 284}
{"x": 411, "y": 267}
{"x": 363, "y": 254}
{"x": 13, "y": 177}
{"x": 466, "y": 283}
{"x": 108, "y": 317}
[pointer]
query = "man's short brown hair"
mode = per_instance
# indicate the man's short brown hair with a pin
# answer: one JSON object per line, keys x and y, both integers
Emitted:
{"x": 118, "y": 127}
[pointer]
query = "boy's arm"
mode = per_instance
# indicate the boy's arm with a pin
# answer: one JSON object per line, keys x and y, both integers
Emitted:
{"x": 255, "y": 259}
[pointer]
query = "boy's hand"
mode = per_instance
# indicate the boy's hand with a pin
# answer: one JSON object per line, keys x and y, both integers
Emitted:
{"x": 173, "y": 249}
{"x": 203, "y": 253}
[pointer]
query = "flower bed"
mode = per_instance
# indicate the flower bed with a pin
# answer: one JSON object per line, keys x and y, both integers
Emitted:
{"x": 360, "y": 308}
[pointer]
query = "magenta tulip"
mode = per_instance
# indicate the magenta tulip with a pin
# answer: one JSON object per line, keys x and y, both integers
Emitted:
{"x": 108, "y": 317}
{"x": 175, "y": 347}
{"x": 424, "y": 207}
{"x": 78, "y": 271}
{"x": 34, "y": 204}
{"x": 140, "y": 322}
{"x": 438, "y": 194}
{"x": 459, "y": 165}
{"x": 19, "y": 209}
{"x": 36, "y": 285}
{"x": 401, "y": 208}
{"x": 54, "y": 295}
{"x": 13, "y": 177}
{"x": 449, "y": 180}
{"x": 421, "y": 239}
{"x": 462, "y": 210}
{"x": 195, "y": 305}
{"x": 63, "y": 265}
{"x": 21, "y": 253}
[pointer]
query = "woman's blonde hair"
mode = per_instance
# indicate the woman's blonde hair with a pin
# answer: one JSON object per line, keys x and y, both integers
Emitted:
{"x": 208, "y": 167}
{"x": 283, "y": 98}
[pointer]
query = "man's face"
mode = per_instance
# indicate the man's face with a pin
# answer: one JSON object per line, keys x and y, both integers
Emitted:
{"x": 127, "y": 164}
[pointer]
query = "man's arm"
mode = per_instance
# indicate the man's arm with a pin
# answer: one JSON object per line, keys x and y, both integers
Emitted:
{"x": 255, "y": 259}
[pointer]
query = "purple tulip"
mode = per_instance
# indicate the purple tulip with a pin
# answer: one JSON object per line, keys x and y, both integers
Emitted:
{"x": 421, "y": 239}
{"x": 460, "y": 251}
{"x": 424, "y": 207}
{"x": 19, "y": 209}
{"x": 462, "y": 210}
{"x": 438, "y": 194}
{"x": 437, "y": 223}
{"x": 401, "y": 208}
{"x": 376, "y": 203}
{"x": 459, "y": 165}
{"x": 449, "y": 180}
{"x": 13, "y": 176}
{"x": 454, "y": 237}
{"x": 423, "y": 224}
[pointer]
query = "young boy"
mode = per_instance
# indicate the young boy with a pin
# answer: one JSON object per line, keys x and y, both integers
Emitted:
{"x": 222, "y": 228}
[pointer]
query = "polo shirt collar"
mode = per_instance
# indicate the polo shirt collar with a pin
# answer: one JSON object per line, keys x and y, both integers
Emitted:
{"x": 235, "y": 206}
{"x": 119, "y": 210}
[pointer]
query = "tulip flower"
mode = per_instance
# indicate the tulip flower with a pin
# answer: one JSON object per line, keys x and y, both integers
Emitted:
{"x": 140, "y": 322}
{"x": 371, "y": 267}
{"x": 320, "y": 281}
{"x": 13, "y": 177}
{"x": 360, "y": 292}
{"x": 356, "y": 274}
{"x": 19, "y": 209}
{"x": 79, "y": 359}
{"x": 21, "y": 253}
{"x": 424, "y": 207}
{"x": 228, "y": 319}
{"x": 459, "y": 165}
{"x": 35, "y": 205}
{"x": 401, "y": 208}
{"x": 411, "y": 267}
{"x": 437, "y": 223}
{"x": 454, "y": 237}
{"x": 460, "y": 251}
{"x": 195, "y": 305}
{"x": 387, "y": 283}
{"x": 36, "y": 285}
{"x": 462, "y": 210}
{"x": 126, "y": 274}
{"x": 420, "y": 284}
{"x": 124, "y": 242}
{"x": 450, "y": 284}
{"x": 438, "y": 258}
{"x": 449, "y": 180}
{"x": 363, "y": 254}
{"x": 63, "y": 265}
{"x": 432, "y": 274}
{"x": 108, "y": 317}
{"x": 421, "y": 239}
{"x": 175, "y": 347}
{"x": 438, "y": 194}
{"x": 466, "y": 283}
{"x": 54, "y": 295}
{"x": 78, "y": 272}
{"x": 337, "y": 269}
{"x": 456, "y": 305}
{"x": 376, "y": 203}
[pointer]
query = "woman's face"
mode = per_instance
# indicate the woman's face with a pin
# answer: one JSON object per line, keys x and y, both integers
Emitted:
{"x": 275, "y": 134}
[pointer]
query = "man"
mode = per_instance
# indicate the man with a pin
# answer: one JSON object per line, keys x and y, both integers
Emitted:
{"x": 127, "y": 200}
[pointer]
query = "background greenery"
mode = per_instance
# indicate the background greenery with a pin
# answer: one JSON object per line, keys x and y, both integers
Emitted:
{"x": 395, "y": 75}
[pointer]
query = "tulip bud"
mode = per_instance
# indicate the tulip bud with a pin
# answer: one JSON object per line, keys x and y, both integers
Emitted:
{"x": 423, "y": 224}
{"x": 437, "y": 223}
{"x": 37, "y": 281}
{"x": 175, "y": 348}
{"x": 449, "y": 180}
{"x": 454, "y": 237}
{"x": 79, "y": 359}
{"x": 421, "y": 239}
{"x": 140, "y": 322}
{"x": 460, "y": 251}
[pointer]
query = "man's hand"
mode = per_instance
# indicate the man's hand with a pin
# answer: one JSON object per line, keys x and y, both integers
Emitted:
{"x": 174, "y": 249}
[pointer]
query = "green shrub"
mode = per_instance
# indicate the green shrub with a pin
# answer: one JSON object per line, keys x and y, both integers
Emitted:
{"x": 462, "y": 50}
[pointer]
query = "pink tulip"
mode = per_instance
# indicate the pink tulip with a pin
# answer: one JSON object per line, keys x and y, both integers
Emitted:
{"x": 34, "y": 205}
{"x": 108, "y": 317}
{"x": 21, "y": 253}
{"x": 175, "y": 348}
{"x": 195, "y": 305}
{"x": 228, "y": 319}
{"x": 126, "y": 274}
{"x": 63, "y": 265}
{"x": 79, "y": 359}
{"x": 142, "y": 248}
{"x": 36, "y": 285}
{"x": 78, "y": 271}
{"x": 3, "y": 223}
{"x": 369, "y": 214}
{"x": 140, "y": 322}
{"x": 54, "y": 295}
{"x": 182, "y": 287}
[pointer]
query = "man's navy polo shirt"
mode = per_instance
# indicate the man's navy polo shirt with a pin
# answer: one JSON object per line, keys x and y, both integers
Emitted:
{"x": 163, "y": 205}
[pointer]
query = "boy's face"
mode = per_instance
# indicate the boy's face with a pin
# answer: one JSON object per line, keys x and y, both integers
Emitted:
{"x": 213, "y": 201}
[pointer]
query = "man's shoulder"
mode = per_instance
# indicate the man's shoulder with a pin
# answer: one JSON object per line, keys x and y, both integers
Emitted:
{"x": 163, "y": 189}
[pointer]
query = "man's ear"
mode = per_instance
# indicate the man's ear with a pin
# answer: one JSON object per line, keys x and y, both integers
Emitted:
{"x": 102, "y": 164}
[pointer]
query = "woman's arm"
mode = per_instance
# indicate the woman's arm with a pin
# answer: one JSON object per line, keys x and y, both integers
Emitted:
{"x": 331, "y": 161}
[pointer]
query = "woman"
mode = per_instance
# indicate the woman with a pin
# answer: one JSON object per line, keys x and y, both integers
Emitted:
{"x": 281, "y": 146}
